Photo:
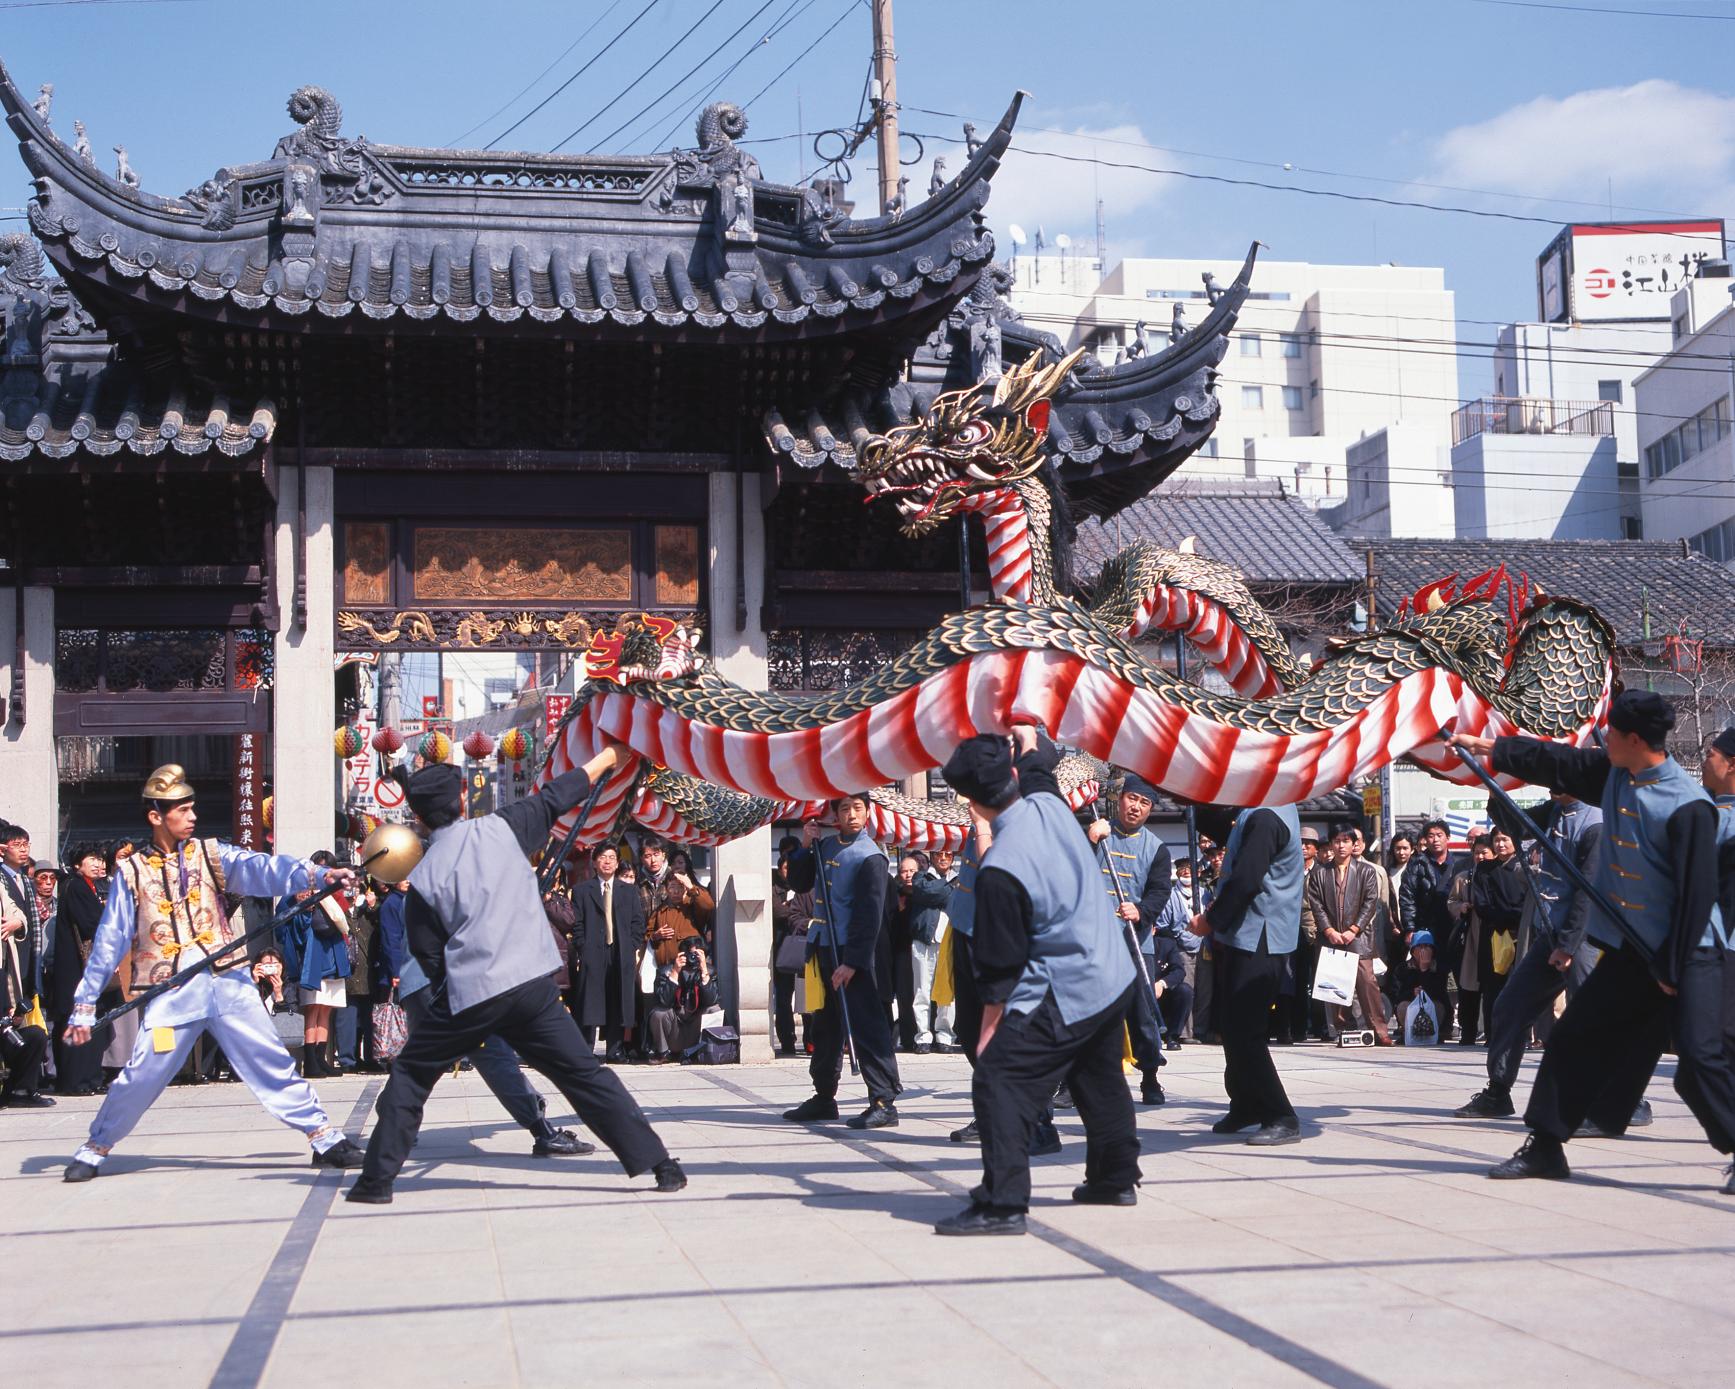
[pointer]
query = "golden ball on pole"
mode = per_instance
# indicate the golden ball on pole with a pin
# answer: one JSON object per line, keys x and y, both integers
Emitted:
{"x": 399, "y": 850}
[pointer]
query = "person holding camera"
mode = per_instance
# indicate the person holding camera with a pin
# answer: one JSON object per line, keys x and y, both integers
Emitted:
{"x": 685, "y": 992}
{"x": 23, "y": 1045}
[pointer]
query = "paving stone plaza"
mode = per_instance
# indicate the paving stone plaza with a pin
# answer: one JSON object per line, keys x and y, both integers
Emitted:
{"x": 1374, "y": 1253}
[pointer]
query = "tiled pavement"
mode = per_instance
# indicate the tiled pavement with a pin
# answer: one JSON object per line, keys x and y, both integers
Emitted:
{"x": 1374, "y": 1253}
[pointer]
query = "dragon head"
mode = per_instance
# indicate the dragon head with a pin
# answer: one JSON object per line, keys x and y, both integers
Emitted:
{"x": 970, "y": 450}
{"x": 646, "y": 647}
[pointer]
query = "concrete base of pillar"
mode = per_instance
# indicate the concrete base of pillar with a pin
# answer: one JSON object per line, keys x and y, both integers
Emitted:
{"x": 29, "y": 763}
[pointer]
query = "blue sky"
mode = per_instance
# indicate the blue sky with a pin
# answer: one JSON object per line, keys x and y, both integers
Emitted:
{"x": 1523, "y": 103}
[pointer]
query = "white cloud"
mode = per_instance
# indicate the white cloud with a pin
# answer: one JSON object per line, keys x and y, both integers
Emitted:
{"x": 1670, "y": 145}
{"x": 1059, "y": 195}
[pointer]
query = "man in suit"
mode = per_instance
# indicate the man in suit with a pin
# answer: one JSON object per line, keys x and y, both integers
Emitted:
{"x": 1342, "y": 894}
{"x": 476, "y": 926}
{"x": 607, "y": 935}
{"x": 16, "y": 864}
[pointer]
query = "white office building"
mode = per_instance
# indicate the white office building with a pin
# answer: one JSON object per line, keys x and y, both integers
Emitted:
{"x": 1324, "y": 357}
{"x": 1684, "y": 410}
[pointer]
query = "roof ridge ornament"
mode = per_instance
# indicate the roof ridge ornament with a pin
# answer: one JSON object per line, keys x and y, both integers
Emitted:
{"x": 320, "y": 142}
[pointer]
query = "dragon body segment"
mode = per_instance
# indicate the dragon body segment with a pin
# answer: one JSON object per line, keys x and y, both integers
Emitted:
{"x": 727, "y": 759}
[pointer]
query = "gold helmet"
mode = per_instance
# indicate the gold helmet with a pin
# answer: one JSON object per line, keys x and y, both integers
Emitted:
{"x": 168, "y": 785}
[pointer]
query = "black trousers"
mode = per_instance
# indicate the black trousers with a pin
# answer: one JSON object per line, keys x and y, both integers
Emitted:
{"x": 871, "y": 1032}
{"x": 1530, "y": 990}
{"x": 1030, "y": 1054}
{"x": 1602, "y": 1051}
{"x": 966, "y": 1003}
{"x": 1243, "y": 1012}
{"x": 783, "y": 1007}
{"x": 1174, "y": 1005}
{"x": 24, "y": 1061}
{"x": 1295, "y": 1011}
{"x": 1705, "y": 1043}
{"x": 898, "y": 966}
{"x": 78, "y": 1070}
{"x": 531, "y": 1019}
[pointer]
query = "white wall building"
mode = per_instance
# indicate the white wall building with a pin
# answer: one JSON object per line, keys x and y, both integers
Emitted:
{"x": 1683, "y": 410}
{"x": 1323, "y": 356}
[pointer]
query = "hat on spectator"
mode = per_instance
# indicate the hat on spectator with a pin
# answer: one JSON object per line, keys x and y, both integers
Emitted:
{"x": 1724, "y": 742}
{"x": 1309, "y": 834}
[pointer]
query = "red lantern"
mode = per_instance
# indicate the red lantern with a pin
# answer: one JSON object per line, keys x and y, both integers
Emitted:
{"x": 387, "y": 741}
{"x": 478, "y": 745}
{"x": 514, "y": 745}
{"x": 435, "y": 747}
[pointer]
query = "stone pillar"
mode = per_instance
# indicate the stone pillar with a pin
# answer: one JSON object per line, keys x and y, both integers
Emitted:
{"x": 304, "y": 693}
{"x": 29, "y": 763}
{"x": 743, "y": 867}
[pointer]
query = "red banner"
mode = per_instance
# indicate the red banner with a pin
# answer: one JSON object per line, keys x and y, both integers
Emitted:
{"x": 554, "y": 709}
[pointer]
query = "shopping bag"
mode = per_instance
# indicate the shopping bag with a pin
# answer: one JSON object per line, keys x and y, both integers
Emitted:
{"x": 1334, "y": 978}
{"x": 1503, "y": 950}
{"x": 648, "y": 971}
{"x": 945, "y": 990}
{"x": 791, "y": 953}
{"x": 815, "y": 987}
{"x": 1421, "y": 1023}
{"x": 391, "y": 1030}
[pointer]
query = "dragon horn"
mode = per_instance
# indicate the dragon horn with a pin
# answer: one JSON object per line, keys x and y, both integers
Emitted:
{"x": 1030, "y": 382}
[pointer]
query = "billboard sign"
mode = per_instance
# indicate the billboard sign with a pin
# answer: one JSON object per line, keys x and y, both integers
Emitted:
{"x": 1622, "y": 271}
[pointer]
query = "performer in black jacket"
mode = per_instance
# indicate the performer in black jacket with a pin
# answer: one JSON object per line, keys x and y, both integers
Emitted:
{"x": 476, "y": 926}
{"x": 1658, "y": 868}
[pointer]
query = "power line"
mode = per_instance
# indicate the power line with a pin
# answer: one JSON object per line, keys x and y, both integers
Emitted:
{"x": 804, "y": 52}
{"x": 776, "y": 27}
{"x": 637, "y": 139}
{"x": 1300, "y": 189}
{"x": 1289, "y": 167}
{"x": 1454, "y": 400}
{"x": 594, "y": 60}
{"x": 614, "y": 5}
{"x": 1602, "y": 9}
{"x": 654, "y": 64}
{"x": 663, "y": 95}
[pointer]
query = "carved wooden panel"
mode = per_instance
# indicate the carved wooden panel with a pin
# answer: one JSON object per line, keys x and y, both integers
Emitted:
{"x": 454, "y": 564}
{"x": 677, "y": 564}
{"x": 367, "y": 562}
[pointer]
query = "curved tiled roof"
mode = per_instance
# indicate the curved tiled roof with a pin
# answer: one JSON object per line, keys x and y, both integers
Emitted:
{"x": 108, "y": 409}
{"x": 1645, "y": 588}
{"x": 1137, "y": 415}
{"x": 340, "y": 228}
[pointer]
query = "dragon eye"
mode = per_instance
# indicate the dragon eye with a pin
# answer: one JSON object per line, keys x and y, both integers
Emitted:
{"x": 975, "y": 432}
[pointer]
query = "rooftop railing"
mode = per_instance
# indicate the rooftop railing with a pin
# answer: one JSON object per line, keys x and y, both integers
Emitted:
{"x": 1532, "y": 415}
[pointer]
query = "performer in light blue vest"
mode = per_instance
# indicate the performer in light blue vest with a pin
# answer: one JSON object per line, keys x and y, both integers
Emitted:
{"x": 1254, "y": 921}
{"x": 474, "y": 922}
{"x": 1707, "y": 1012}
{"x": 1658, "y": 868}
{"x": 1136, "y": 874}
{"x": 847, "y": 874}
{"x": 1055, "y": 979}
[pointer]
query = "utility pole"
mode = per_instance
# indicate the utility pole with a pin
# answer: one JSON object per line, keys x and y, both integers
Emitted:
{"x": 886, "y": 102}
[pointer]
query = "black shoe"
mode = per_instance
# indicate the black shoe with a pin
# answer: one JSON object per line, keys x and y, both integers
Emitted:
{"x": 811, "y": 1111}
{"x": 967, "y": 1134}
{"x": 669, "y": 1175}
{"x": 1276, "y": 1134}
{"x": 1173, "y": 1044}
{"x": 561, "y": 1143}
{"x": 77, "y": 1171}
{"x": 1283, "y": 1039}
{"x": 1728, "y": 1186}
{"x": 1091, "y": 1194}
{"x": 1641, "y": 1115}
{"x": 1539, "y": 1157}
{"x": 923, "y": 1048}
{"x": 1045, "y": 1142}
{"x": 881, "y": 1114}
{"x": 1591, "y": 1129}
{"x": 367, "y": 1192}
{"x": 1063, "y": 1098}
{"x": 1487, "y": 1103}
{"x": 981, "y": 1220}
{"x": 1233, "y": 1123}
{"x": 344, "y": 1154}
{"x": 1151, "y": 1092}
{"x": 26, "y": 1099}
